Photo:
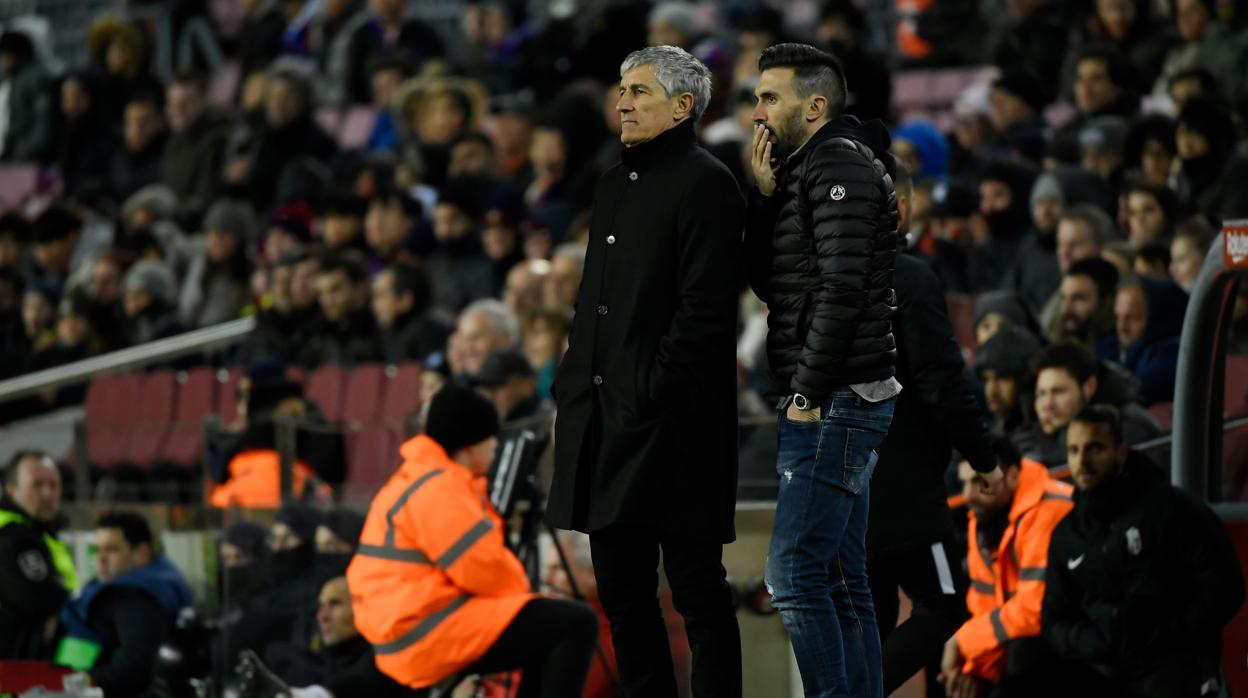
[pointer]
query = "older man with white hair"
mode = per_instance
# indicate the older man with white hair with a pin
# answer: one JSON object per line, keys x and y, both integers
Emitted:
{"x": 645, "y": 447}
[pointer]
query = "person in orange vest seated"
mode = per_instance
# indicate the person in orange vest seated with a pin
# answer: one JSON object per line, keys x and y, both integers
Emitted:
{"x": 433, "y": 586}
{"x": 254, "y": 479}
{"x": 1011, "y": 522}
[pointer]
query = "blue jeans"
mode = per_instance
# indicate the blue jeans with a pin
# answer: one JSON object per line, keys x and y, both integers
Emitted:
{"x": 817, "y": 566}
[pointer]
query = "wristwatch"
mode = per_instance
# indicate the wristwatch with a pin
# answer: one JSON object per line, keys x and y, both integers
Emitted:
{"x": 801, "y": 403}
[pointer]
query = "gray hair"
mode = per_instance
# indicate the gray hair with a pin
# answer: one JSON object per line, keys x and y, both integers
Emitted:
{"x": 571, "y": 250}
{"x": 500, "y": 317}
{"x": 677, "y": 71}
{"x": 1098, "y": 222}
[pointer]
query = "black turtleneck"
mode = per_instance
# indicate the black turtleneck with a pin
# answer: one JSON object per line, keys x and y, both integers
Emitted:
{"x": 668, "y": 145}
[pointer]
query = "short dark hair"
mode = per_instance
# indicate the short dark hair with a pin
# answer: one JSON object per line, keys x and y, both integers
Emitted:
{"x": 392, "y": 195}
{"x": 475, "y": 137}
{"x": 1102, "y": 414}
{"x": 334, "y": 262}
{"x": 1116, "y": 65}
{"x": 150, "y": 97}
{"x": 814, "y": 72}
{"x": 1197, "y": 231}
{"x": 1075, "y": 359}
{"x": 1006, "y": 453}
{"x": 13, "y": 223}
{"x": 57, "y": 222}
{"x": 412, "y": 278}
{"x": 133, "y": 527}
{"x": 10, "y": 469}
{"x": 192, "y": 79}
{"x": 1209, "y": 87}
{"x": 1104, "y": 274}
{"x": 1164, "y": 196}
{"x": 1154, "y": 253}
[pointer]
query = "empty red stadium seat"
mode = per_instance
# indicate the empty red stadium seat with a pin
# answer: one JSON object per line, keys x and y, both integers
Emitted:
{"x": 356, "y": 127}
{"x": 152, "y": 417}
{"x": 1235, "y": 400}
{"x": 227, "y": 395}
{"x": 324, "y": 387}
{"x": 111, "y": 407}
{"x": 362, "y": 395}
{"x": 372, "y": 457}
{"x": 402, "y": 397}
{"x": 17, "y": 183}
{"x": 1163, "y": 412}
{"x": 195, "y": 400}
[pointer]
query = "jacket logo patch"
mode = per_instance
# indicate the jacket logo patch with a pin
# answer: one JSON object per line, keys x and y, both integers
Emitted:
{"x": 838, "y": 192}
{"x": 32, "y": 566}
{"x": 1074, "y": 562}
{"x": 1134, "y": 543}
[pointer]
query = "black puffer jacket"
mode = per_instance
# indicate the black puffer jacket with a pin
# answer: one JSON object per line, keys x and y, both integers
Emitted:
{"x": 820, "y": 254}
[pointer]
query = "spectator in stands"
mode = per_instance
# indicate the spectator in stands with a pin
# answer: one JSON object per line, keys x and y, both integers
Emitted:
{"x": 1003, "y": 366}
{"x": 280, "y": 328}
{"x": 136, "y": 163}
{"x": 1086, "y": 303}
{"x": 55, "y": 234}
{"x": 342, "y": 216}
{"x": 119, "y": 62}
{"x": 1036, "y": 273}
{"x": 1033, "y": 38}
{"x": 1008, "y": 532}
{"x": 1129, "y": 28}
{"x": 289, "y": 229}
{"x": 1004, "y": 187}
{"x": 76, "y": 339}
{"x": 36, "y": 569}
{"x": 389, "y": 225}
{"x": 1192, "y": 240}
{"x": 1151, "y": 214}
{"x": 27, "y": 132}
{"x": 545, "y": 340}
{"x": 260, "y": 34}
{"x": 1149, "y": 315}
{"x": 507, "y": 380}
{"x": 150, "y": 303}
{"x": 425, "y": 509}
{"x": 409, "y": 328}
{"x": 387, "y": 34}
{"x": 1082, "y": 232}
{"x": 1068, "y": 378}
{"x": 15, "y": 233}
{"x": 842, "y": 30}
{"x": 344, "y": 332}
{"x": 500, "y": 236}
{"x": 995, "y": 310}
{"x": 243, "y": 561}
{"x": 329, "y": 41}
{"x": 567, "y": 265}
{"x": 1153, "y": 260}
{"x": 923, "y": 149}
{"x": 956, "y": 227}
{"x": 1191, "y": 83}
{"x": 191, "y": 165}
{"x": 114, "y": 627}
{"x": 104, "y": 292}
{"x": 1212, "y": 176}
{"x": 1018, "y": 101}
{"x": 458, "y": 268}
{"x": 149, "y": 231}
{"x": 473, "y": 155}
{"x": 1150, "y": 149}
{"x": 1103, "y": 86}
{"x": 1102, "y": 141}
{"x": 216, "y": 285}
{"x": 337, "y": 538}
{"x": 1206, "y": 41}
{"x": 287, "y": 132}
{"x": 1134, "y": 545}
{"x": 484, "y": 327}
{"x": 525, "y": 286}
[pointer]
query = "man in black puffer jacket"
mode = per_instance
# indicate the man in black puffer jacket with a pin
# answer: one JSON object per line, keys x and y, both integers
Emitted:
{"x": 821, "y": 242}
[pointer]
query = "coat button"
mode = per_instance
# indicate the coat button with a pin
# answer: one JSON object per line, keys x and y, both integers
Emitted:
{"x": 597, "y": 380}
{"x": 632, "y": 176}
{"x": 602, "y": 310}
{"x": 610, "y": 239}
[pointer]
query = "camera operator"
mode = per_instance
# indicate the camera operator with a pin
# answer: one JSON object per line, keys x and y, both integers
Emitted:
{"x": 434, "y": 587}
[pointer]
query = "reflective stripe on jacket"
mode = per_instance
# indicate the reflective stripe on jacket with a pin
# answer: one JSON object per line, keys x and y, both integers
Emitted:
{"x": 433, "y": 584}
{"x": 1007, "y": 584}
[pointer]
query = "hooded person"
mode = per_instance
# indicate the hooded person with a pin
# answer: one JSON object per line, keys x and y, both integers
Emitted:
{"x": 1002, "y": 364}
{"x": 1149, "y": 320}
{"x": 995, "y": 310}
{"x": 337, "y": 538}
{"x": 1211, "y": 178}
{"x": 243, "y": 562}
{"x": 1004, "y": 195}
{"x": 923, "y": 149}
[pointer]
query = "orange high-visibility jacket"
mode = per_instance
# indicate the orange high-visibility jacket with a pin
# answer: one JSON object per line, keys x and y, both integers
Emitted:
{"x": 1007, "y": 584}
{"x": 433, "y": 584}
{"x": 256, "y": 481}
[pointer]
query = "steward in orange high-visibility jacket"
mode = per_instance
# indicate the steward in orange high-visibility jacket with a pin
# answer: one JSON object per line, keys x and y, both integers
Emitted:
{"x": 1008, "y": 535}
{"x": 433, "y": 586}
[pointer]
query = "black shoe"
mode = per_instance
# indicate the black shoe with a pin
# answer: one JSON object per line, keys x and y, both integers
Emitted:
{"x": 255, "y": 680}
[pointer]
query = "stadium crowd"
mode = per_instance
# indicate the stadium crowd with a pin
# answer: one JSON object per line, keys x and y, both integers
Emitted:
{"x": 1073, "y": 190}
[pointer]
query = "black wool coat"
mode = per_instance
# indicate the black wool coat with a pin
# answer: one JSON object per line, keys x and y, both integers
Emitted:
{"x": 646, "y": 432}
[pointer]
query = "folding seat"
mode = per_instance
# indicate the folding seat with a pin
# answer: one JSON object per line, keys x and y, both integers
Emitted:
{"x": 1235, "y": 399}
{"x": 153, "y": 418}
{"x": 1163, "y": 412}
{"x": 324, "y": 386}
{"x": 111, "y": 412}
{"x": 196, "y": 398}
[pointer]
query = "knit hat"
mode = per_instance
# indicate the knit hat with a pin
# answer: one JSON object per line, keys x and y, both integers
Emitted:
{"x": 1006, "y": 303}
{"x": 931, "y": 145}
{"x": 1047, "y": 188}
{"x": 265, "y": 395}
{"x": 1024, "y": 86}
{"x": 459, "y": 418}
{"x": 153, "y": 278}
{"x": 231, "y": 216}
{"x": 501, "y": 366}
{"x": 157, "y": 199}
{"x": 1107, "y": 133}
{"x": 1008, "y": 352}
{"x": 345, "y": 524}
{"x": 249, "y": 537}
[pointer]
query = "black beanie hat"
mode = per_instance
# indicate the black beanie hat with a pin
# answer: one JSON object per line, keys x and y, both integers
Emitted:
{"x": 459, "y": 418}
{"x": 302, "y": 519}
{"x": 346, "y": 525}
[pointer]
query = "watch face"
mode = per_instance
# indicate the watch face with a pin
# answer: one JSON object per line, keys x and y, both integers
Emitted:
{"x": 801, "y": 402}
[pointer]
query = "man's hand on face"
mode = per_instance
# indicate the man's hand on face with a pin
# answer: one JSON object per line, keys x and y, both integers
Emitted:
{"x": 760, "y": 160}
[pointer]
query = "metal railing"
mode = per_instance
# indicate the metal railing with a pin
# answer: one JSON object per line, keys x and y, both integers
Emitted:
{"x": 159, "y": 351}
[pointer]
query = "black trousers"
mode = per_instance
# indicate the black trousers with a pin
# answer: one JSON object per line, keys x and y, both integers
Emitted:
{"x": 626, "y": 561}
{"x": 552, "y": 641}
{"x": 931, "y": 575}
